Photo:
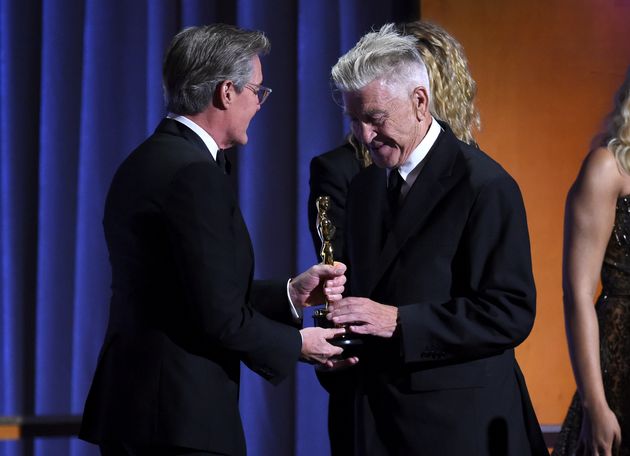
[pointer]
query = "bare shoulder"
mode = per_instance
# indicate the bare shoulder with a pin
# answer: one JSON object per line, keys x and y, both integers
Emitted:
{"x": 601, "y": 162}
{"x": 600, "y": 173}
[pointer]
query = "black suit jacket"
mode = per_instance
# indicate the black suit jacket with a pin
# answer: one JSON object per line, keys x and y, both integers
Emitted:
{"x": 182, "y": 313}
{"x": 457, "y": 265}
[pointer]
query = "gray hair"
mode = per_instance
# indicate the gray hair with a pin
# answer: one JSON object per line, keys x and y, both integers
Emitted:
{"x": 200, "y": 58}
{"x": 385, "y": 54}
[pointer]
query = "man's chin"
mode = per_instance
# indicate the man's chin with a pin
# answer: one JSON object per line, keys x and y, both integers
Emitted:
{"x": 241, "y": 141}
{"x": 382, "y": 160}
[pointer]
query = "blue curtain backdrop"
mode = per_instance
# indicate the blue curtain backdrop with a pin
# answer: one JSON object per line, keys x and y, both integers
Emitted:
{"x": 79, "y": 89}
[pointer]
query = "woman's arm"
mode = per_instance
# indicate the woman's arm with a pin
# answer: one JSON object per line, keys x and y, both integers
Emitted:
{"x": 589, "y": 219}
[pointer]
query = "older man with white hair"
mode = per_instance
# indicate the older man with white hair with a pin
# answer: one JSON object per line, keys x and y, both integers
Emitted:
{"x": 440, "y": 275}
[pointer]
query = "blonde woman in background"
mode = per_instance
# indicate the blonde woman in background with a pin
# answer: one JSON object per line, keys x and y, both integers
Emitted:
{"x": 452, "y": 85}
{"x": 597, "y": 242}
{"x": 453, "y": 91}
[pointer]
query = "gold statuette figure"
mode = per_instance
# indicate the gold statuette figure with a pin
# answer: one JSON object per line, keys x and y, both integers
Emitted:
{"x": 326, "y": 232}
{"x": 325, "y": 229}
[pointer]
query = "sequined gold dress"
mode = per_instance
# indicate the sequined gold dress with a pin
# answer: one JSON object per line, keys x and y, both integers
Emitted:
{"x": 613, "y": 315}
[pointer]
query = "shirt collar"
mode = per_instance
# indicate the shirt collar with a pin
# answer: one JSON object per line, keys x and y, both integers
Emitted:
{"x": 421, "y": 151}
{"x": 203, "y": 134}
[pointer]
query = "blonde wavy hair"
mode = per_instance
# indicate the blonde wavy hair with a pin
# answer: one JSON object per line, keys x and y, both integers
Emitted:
{"x": 453, "y": 89}
{"x": 617, "y": 135}
{"x": 452, "y": 86}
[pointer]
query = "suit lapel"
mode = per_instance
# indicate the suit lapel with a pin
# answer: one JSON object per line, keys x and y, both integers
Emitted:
{"x": 440, "y": 173}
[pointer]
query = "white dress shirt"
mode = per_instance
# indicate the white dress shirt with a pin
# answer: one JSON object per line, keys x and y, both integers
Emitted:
{"x": 410, "y": 170}
{"x": 203, "y": 134}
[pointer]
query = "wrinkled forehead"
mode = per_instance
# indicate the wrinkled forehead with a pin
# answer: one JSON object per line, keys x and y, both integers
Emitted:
{"x": 379, "y": 96}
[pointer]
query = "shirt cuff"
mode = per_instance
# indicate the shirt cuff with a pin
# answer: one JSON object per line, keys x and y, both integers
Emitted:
{"x": 298, "y": 314}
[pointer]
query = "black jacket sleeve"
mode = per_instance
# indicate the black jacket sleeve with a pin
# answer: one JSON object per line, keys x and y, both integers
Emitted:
{"x": 200, "y": 211}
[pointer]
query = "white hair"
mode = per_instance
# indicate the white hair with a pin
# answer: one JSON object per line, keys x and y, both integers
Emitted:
{"x": 384, "y": 54}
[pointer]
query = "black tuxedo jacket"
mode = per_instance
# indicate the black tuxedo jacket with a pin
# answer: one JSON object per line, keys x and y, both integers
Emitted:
{"x": 182, "y": 313}
{"x": 457, "y": 265}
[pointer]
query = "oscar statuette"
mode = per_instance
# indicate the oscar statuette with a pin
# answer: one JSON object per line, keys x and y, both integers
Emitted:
{"x": 350, "y": 343}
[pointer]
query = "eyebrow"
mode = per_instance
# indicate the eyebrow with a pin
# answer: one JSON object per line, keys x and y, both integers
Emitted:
{"x": 370, "y": 113}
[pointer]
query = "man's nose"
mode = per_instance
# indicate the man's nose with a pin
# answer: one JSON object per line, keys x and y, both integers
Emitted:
{"x": 365, "y": 132}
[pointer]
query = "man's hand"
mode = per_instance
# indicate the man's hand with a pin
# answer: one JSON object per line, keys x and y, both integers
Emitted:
{"x": 318, "y": 283}
{"x": 337, "y": 364}
{"x": 315, "y": 347}
{"x": 364, "y": 316}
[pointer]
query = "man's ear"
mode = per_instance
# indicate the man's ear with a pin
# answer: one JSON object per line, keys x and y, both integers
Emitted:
{"x": 421, "y": 102}
{"x": 224, "y": 94}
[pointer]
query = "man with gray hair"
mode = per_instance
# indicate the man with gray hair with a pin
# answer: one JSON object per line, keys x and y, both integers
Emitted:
{"x": 440, "y": 278}
{"x": 184, "y": 310}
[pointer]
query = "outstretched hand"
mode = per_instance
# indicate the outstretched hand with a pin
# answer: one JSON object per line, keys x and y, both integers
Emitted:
{"x": 318, "y": 283}
{"x": 315, "y": 345}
